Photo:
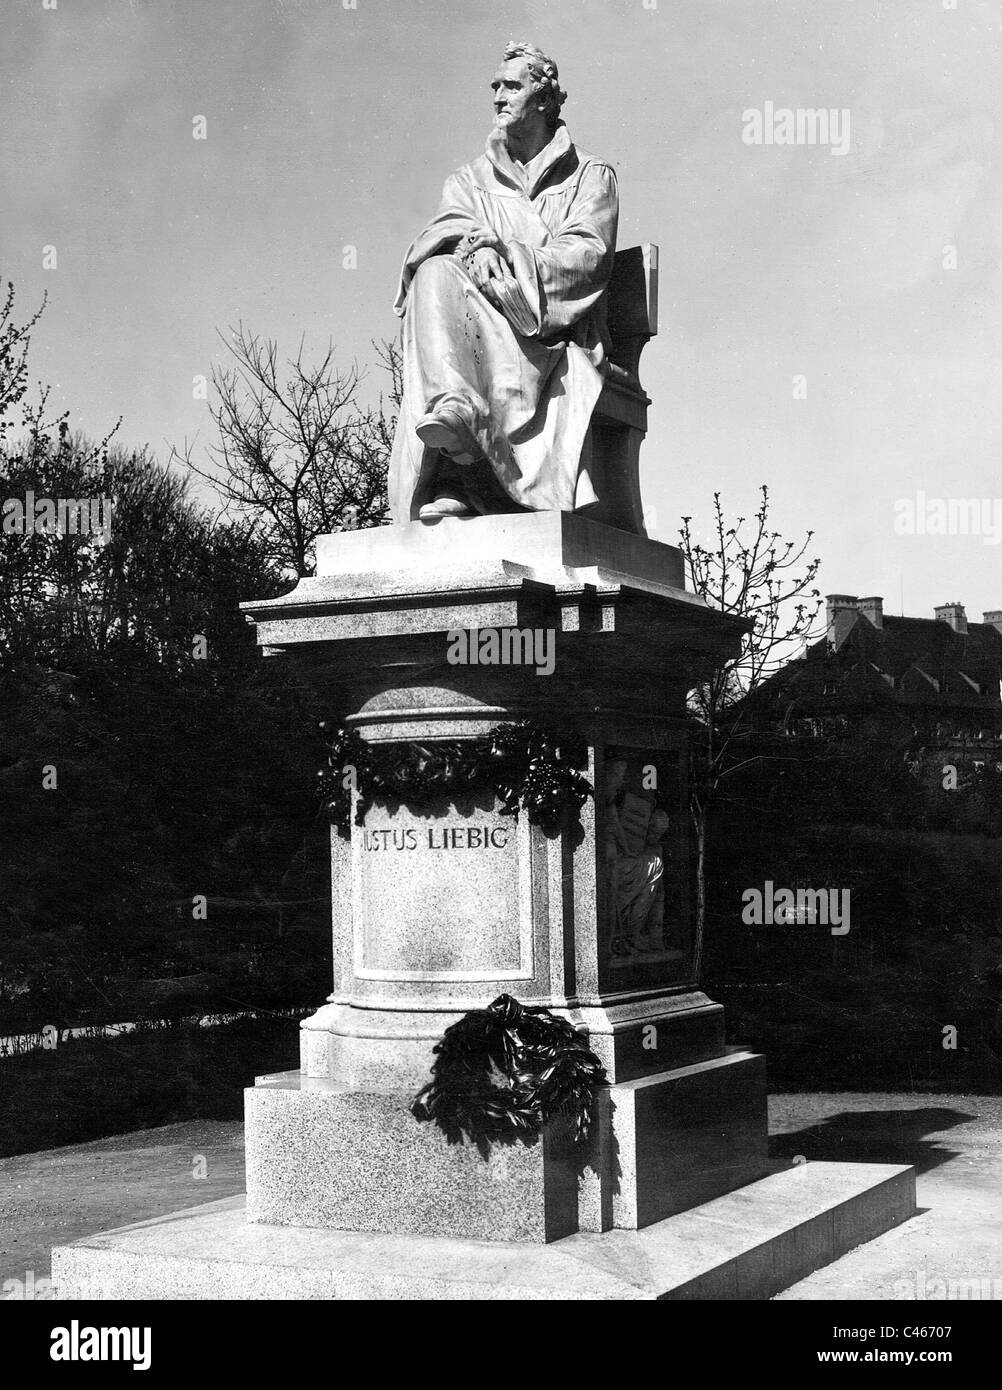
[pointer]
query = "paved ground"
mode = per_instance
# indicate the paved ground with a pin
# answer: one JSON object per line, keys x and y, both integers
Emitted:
{"x": 953, "y": 1247}
{"x": 955, "y": 1143}
{"x": 60, "y": 1195}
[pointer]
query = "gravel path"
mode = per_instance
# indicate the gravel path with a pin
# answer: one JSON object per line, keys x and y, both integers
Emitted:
{"x": 953, "y": 1248}
{"x": 60, "y": 1195}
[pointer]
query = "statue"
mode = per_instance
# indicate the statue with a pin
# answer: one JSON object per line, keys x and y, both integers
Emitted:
{"x": 640, "y": 900}
{"x": 635, "y": 854}
{"x": 503, "y": 325}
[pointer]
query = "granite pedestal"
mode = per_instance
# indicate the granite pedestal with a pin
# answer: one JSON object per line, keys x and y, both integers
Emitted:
{"x": 443, "y": 903}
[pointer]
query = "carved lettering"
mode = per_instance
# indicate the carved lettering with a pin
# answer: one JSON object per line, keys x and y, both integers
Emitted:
{"x": 439, "y": 837}
{"x": 468, "y": 837}
{"x": 389, "y": 839}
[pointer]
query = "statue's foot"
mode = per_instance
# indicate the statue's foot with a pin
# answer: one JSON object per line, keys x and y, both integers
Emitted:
{"x": 448, "y": 431}
{"x": 446, "y": 505}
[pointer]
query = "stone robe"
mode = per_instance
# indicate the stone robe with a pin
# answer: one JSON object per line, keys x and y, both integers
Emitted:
{"x": 530, "y": 396}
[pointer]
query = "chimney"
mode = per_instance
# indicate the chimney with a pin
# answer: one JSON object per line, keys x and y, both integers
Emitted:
{"x": 842, "y": 610}
{"x": 952, "y": 613}
{"x": 873, "y": 608}
{"x": 994, "y": 617}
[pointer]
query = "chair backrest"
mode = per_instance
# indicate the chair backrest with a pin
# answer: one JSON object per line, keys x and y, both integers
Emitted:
{"x": 619, "y": 423}
{"x": 632, "y": 303}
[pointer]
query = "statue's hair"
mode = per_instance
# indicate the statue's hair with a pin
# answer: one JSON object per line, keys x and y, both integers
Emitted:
{"x": 543, "y": 71}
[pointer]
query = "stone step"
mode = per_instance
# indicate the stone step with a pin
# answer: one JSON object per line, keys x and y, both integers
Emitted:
{"x": 749, "y": 1244}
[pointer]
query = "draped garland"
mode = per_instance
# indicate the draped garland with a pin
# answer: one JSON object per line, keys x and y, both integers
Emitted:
{"x": 543, "y": 1064}
{"x": 527, "y": 767}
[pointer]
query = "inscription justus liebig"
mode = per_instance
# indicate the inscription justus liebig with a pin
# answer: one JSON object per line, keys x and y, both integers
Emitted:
{"x": 438, "y": 837}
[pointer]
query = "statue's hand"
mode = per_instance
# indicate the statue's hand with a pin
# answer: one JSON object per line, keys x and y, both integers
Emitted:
{"x": 475, "y": 241}
{"x": 486, "y": 267}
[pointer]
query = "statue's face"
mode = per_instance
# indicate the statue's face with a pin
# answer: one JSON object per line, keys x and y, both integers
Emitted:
{"x": 516, "y": 105}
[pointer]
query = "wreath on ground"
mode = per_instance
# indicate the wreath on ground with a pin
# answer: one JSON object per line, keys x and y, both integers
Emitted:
{"x": 528, "y": 767}
{"x": 504, "y": 1071}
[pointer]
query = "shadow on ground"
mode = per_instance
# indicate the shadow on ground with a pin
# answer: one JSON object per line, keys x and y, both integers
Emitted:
{"x": 875, "y": 1136}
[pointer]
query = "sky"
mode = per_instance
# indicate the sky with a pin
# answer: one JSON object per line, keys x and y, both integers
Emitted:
{"x": 816, "y": 333}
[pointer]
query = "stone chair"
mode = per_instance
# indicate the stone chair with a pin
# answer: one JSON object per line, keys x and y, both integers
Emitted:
{"x": 620, "y": 420}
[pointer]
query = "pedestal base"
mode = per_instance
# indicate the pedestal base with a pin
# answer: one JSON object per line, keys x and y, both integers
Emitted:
{"x": 677, "y": 1139}
{"x": 320, "y": 1154}
{"x": 748, "y": 1245}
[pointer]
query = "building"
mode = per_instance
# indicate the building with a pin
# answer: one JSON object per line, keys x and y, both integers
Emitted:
{"x": 936, "y": 679}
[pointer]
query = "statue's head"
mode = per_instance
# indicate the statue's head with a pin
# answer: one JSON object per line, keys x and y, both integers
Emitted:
{"x": 526, "y": 89}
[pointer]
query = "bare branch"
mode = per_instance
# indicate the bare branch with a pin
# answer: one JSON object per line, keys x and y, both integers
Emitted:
{"x": 297, "y": 449}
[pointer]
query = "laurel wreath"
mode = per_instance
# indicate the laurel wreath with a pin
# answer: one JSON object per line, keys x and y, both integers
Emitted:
{"x": 527, "y": 766}
{"x": 504, "y": 1071}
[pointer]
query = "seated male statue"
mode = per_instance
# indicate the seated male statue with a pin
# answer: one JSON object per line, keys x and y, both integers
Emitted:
{"x": 501, "y": 298}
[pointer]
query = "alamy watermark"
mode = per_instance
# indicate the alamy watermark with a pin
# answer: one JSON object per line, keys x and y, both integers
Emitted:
{"x": 801, "y": 125}
{"x": 76, "y": 1342}
{"x": 60, "y": 516}
{"x": 503, "y": 646}
{"x": 29, "y": 1289}
{"x": 922, "y": 1286}
{"x": 785, "y": 907}
{"x": 949, "y": 516}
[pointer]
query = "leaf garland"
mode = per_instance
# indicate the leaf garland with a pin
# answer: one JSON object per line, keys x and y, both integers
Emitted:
{"x": 544, "y": 1064}
{"x": 528, "y": 768}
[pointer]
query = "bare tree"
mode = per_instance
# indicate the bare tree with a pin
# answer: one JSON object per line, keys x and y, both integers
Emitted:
{"x": 15, "y": 339}
{"x": 298, "y": 452}
{"x": 750, "y": 572}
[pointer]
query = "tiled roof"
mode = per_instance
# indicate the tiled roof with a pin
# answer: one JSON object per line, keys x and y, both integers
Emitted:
{"x": 908, "y": 661}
